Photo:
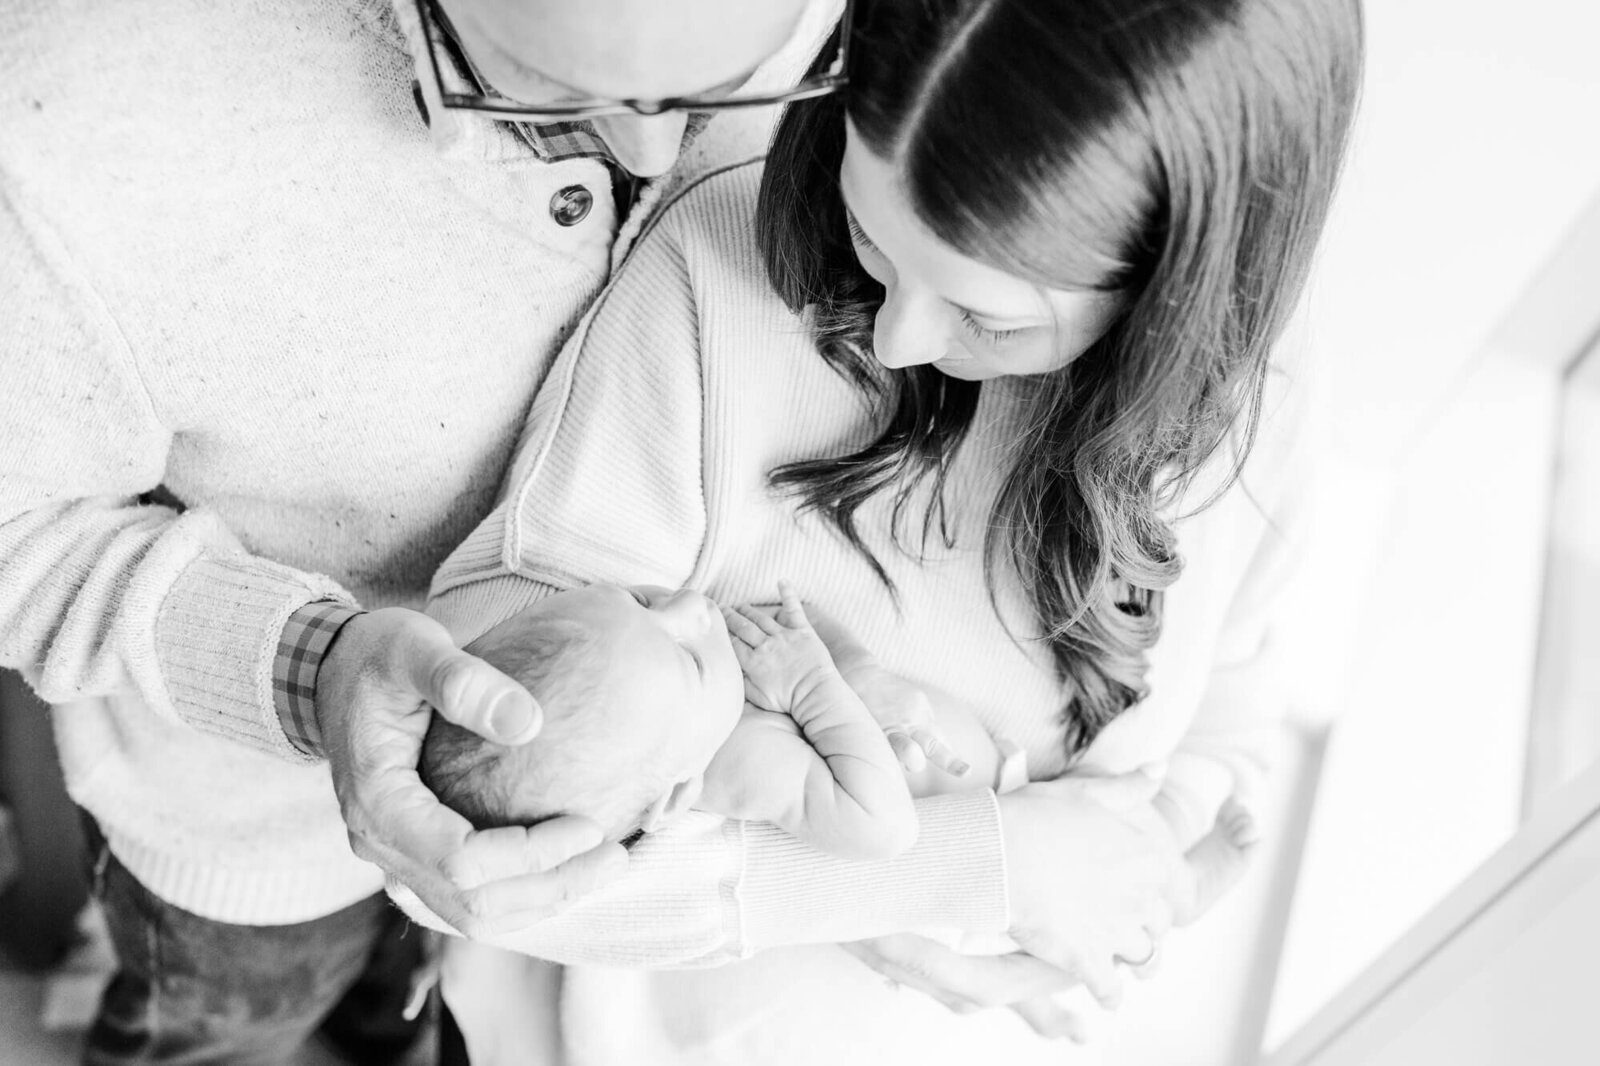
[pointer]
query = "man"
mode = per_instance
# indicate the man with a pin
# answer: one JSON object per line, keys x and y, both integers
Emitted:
{"x": 270, "y": 309}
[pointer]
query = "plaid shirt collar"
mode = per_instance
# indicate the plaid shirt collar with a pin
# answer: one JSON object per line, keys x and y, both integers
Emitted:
{"x": 551, "y": 142}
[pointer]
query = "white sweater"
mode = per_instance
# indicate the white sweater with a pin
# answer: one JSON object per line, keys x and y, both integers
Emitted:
{"x": 645, "y": 460}
{"x": 232, "y": 263}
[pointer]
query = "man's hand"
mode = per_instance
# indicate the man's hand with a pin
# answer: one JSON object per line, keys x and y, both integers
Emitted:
{"x": 386, "y": 673}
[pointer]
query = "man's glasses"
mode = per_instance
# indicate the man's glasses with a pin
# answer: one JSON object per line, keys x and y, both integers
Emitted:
{"x": 490, "y": 104}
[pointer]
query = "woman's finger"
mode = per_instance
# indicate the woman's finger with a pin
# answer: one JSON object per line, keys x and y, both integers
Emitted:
{"x": 1093, "y": 967}
{"x": 1208, "y": 871}
{"x": 1051, "y": 1020}
{"x": 1103, "y": 980}
{"x": 961, "y": 981}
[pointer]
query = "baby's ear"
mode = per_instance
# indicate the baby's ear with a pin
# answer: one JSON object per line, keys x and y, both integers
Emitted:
{"x": 675, "y": 802}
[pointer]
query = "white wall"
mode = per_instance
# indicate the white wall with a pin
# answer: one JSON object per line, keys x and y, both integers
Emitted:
{"x": 1478, "y": 143}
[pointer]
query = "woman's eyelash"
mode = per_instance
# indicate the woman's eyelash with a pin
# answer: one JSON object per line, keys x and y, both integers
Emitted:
{"x": 639, "y": 598}
{"x": 859, "y": 234}
{"x": 993, "y": 336}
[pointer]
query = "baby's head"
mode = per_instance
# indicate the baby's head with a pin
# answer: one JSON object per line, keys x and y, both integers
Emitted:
{"x": 639, "y": 688}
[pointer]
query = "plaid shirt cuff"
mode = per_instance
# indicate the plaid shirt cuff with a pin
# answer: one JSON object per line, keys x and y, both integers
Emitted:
{"x": 306, "y": 638}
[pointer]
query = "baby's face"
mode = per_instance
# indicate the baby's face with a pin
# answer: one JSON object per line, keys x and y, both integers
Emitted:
{"x": 677, "y": 660}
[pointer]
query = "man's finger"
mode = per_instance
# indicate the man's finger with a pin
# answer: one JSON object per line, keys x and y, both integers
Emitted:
{"x": 508, "y": 906}
{"x": 468, "y": 691}
{"x": 511, "y": 851}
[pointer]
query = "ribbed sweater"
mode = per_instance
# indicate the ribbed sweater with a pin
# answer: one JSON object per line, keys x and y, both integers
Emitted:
{"x": 645, "y": 460}
{"x": 234, "y": 264}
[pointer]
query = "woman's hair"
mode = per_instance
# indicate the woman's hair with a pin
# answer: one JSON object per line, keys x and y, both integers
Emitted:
{"x": 1181, "y": 154}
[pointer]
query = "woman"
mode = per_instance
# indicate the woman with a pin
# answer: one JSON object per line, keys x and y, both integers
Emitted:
{"x": 1044, "y": 251}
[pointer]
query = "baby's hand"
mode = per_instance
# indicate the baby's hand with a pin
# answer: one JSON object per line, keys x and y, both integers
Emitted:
{"x": 904, "y": 713}
{"x": 781, "y": 655}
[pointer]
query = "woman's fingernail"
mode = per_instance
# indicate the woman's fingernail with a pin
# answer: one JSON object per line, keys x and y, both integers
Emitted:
{"x": 961, "y": 768}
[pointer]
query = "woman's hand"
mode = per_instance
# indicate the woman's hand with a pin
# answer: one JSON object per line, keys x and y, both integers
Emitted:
{"x": 1036, "y": 852}
{"x": 378, "y": 685}
{"x": 1095, "y": 877}
{"x": 970, "y": 983}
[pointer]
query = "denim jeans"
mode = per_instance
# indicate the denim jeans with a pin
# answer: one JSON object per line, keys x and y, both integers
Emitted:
{"x": 191, "y": 991}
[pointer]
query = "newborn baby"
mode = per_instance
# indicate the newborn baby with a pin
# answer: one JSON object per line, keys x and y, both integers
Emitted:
{"x": 643, "y": 689}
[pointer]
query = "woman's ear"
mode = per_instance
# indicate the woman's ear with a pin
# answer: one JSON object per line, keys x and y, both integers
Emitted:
{"x": 673, "y": 803}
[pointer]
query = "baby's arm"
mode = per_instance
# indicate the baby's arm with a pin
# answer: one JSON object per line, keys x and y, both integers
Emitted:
{"x": 903, "y": 711}
{"x": 852, "y": 802}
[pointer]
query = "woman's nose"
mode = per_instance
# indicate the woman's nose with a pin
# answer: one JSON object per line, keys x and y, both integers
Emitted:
{"x": 907, "y": 332}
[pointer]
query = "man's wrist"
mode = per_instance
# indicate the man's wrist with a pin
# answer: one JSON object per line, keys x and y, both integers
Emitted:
{"x": 306, "y": 639}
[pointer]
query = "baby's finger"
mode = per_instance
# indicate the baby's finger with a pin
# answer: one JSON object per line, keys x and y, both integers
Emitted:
{"x": 940, "y": 754}
{"x": 912, "y": 760}
{"x": 765, "y": 622}
{"x": 744, "y": 632}
{"x": 790, "y": 611}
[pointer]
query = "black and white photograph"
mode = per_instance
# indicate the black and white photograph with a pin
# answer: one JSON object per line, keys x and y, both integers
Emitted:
{"x": 799, "y": 532}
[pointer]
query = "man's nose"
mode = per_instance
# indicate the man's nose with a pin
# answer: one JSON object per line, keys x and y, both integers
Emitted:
{"x": 645, "y": 145}
{"x": 907, "y": 332}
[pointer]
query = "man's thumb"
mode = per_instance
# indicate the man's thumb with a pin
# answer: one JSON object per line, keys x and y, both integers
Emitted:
{"x": 474, "y": 695}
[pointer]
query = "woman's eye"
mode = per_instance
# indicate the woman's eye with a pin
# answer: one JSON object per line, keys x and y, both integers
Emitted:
{"x": 857, "y": 234}
{"x": 640, "y": 598}
{"x": 989, "y": 336}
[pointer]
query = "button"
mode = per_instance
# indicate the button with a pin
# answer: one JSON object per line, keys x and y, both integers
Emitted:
{"x": 571, "y": 205}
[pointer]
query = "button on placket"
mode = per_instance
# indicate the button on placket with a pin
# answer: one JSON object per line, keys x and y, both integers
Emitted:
{"x": 571, "y": 205}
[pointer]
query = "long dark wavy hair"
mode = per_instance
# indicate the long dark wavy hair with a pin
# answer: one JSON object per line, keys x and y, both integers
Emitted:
{"x": 1179, "y": 152}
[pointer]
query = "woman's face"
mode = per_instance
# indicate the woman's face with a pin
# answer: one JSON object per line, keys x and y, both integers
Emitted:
{"x": 970, "y": 320}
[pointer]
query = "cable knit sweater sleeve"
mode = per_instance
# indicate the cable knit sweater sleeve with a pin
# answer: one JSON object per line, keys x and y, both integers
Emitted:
{"x": 99, "y": 594}
{"x": 609, "y": 485}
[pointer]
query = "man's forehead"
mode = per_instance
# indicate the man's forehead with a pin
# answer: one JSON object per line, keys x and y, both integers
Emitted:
{"x": 647, "y": 48}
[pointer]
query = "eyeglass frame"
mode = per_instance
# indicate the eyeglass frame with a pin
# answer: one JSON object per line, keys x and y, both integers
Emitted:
{"x": 504, "y": 109}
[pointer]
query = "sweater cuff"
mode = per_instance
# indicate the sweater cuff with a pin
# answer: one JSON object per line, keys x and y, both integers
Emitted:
{"x": 954, "y": 877}
{"x": 217, "y": 641}
{"x": 304, "y": 643}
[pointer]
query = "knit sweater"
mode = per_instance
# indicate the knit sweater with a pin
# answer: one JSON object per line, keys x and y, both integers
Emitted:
{"x": 645, "y": 459}
{"x": 234, "y": 264}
